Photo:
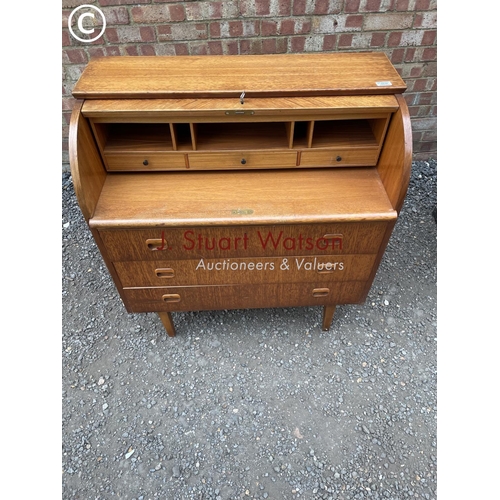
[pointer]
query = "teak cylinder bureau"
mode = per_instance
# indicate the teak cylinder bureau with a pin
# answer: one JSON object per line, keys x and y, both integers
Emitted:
{"x": 228, "y": 182}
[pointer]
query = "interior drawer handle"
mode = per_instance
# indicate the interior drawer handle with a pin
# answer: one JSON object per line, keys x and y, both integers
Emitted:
{"x": 171, "y": 297}
{"x": 321, "y": 292}
{"x": 167, "y": 272}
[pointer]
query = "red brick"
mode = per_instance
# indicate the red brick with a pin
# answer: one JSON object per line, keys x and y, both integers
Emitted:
{"x": 235, "y": 28}
{"x": 111, "y": 35}
{"x": 147, "y": 50}
{"x": 429, "y": 38}
{"x": 345, "y": 40}
{"x": 394, "y": 39}
{"x": 420, "y": 85}
{"x": 287, "y": 27}
{"x": 147, "y": 34}
{"x": 378, "y": 39}
{"x": 299, "y": 7}
{"x": 422, "y": 4}
{"x": 401, "y": 5}
{"x": 181, "y": 49}
{"x": 321, "y": 7}
{"x": 416, "y": 71}
{"x": 268, "y": 27}
{"x": 66, "y": 39}
{"x": 75, "y": 56}
{"x": 351, "y": 6}
{"x": 329, "y": 42}
{"x": 372, "y": 6}
{"x": 397, "y": 56}
{"x": 429, "y": 54}
{"x": 250, "y": 46}
{"x": 274, "y": 45}
{"x": 410, "y": 54}
{"x": 131, "y": 50}
{"x": 353, "y": 21}
{"x": 297, "y": 43}
{"x": 284, "y": 8}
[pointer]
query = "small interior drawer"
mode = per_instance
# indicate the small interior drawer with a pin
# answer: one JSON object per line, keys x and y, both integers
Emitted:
{"x": 339, "y": 158}
{"x": 121, "y": 162}
{"x": 243, "y": 159}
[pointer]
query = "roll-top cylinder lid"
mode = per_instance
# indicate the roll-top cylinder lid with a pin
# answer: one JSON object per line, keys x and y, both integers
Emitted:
{"x": 129, "y": 77}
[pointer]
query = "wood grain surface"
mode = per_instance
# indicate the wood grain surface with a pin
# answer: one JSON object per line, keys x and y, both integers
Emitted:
{"x": 224, "y": 76}
{"x": 242, "y": 197}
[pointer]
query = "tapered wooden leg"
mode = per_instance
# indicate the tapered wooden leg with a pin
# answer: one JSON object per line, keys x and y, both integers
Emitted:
{"x": 328, "y": 312}
{"x": 166, "y": 319}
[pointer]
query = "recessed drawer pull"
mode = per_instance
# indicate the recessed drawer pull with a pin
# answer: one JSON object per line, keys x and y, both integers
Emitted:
{"x": 171, "y": 297}
{"x": 167, "y": 272}
{"x": 157, "y": 243}
{"x": 321, "y": 292}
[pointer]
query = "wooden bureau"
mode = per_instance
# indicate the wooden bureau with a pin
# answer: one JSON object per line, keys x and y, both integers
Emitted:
{"x": 232, "y": 182}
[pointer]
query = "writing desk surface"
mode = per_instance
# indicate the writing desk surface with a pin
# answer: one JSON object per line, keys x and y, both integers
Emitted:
{"x": 242, "y": 197}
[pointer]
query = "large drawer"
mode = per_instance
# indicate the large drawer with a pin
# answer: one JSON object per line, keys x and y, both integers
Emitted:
{"x": 145, "y": 161}
{"x": 243, "y": 241}
{"x": 340, "y": 158}
{"x": 296, "y": 269}
{"x": 199, "y": 298}
{"x": 243, "y": 159}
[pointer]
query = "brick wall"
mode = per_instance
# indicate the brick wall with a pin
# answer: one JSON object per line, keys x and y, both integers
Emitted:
{"x": 404, "y": 29}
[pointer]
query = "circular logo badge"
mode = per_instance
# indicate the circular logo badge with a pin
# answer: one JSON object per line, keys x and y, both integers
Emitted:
{"x": 87, "y": 18}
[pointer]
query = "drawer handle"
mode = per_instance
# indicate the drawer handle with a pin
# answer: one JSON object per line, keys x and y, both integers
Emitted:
{"x": 321, "y": 292}
{"x": 171, "y": 297}
{"x": 339, "y": 158}
{"x": 145, "y": 162}
{"x": 243, "y": 161}
{"x": 157, "y": 243}
{"x": 167, "y": 272}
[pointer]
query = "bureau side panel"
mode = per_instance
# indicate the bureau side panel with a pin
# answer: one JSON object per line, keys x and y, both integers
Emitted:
{"x": 394, "y": 165}
{"x": 87, "y": 170}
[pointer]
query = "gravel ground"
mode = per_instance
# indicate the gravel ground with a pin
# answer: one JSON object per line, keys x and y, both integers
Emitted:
{"x": 257, "y": 403}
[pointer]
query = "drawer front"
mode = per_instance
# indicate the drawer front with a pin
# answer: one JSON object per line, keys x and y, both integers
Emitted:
{"x": 340, "y": 158}
{"x": 199, "y": 298}
{"x": 303, "y": 269}
{"x": 243, "y": 241}
{"x": 243, "y": 159}
{"x": 121, "y": 162}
